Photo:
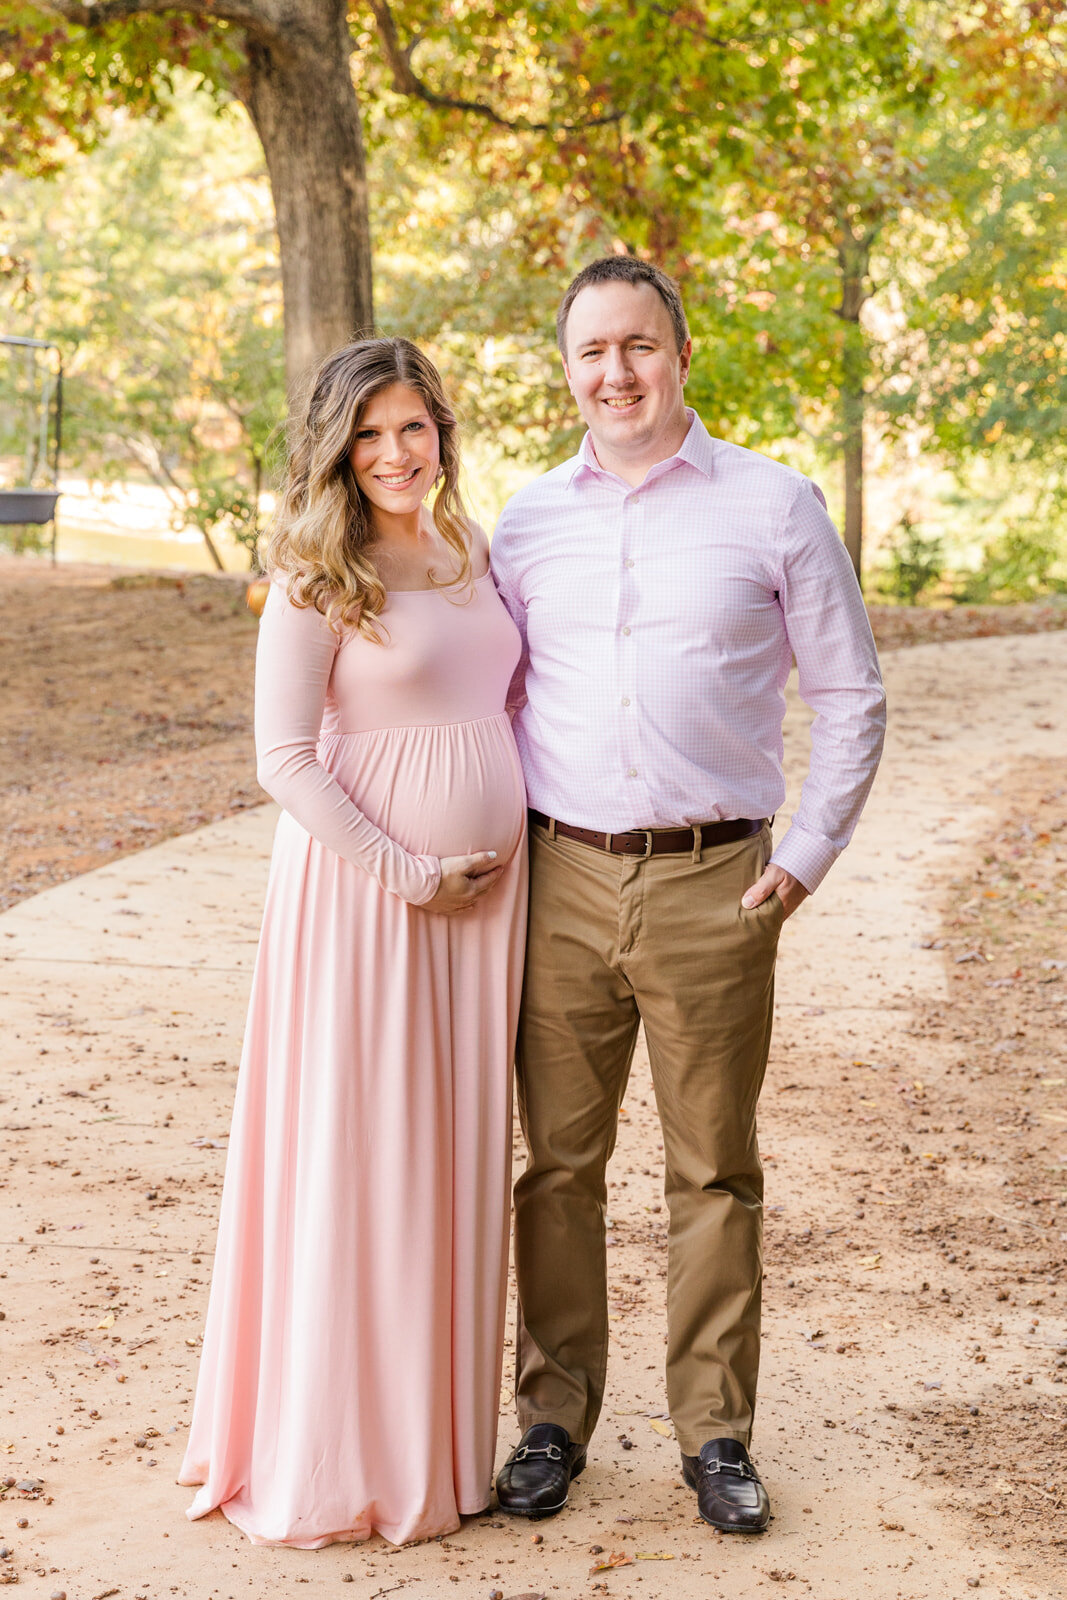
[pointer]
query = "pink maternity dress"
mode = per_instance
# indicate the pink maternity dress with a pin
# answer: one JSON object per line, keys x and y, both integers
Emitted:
{"x": 350, "y": 1374}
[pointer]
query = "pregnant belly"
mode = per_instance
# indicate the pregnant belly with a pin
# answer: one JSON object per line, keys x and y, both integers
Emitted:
{"x": 441, "y": 791}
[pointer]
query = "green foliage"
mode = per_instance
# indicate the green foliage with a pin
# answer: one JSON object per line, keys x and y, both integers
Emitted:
{"x": 59, "y": 82}
{"x": 1021, "y": 564}
{"x": 988, "y": 365}
{"x": 157, "y": 274}
{"x": 812, "y": 182}
{"x": 24, "y": 539}
{"x": 914, "y": 563}
{"x": 720, "y": 142}
{"x": 864, "y": 202}
{"x": 220, "y": 501}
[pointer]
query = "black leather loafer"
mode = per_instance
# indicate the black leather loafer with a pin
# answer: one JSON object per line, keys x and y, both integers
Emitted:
{"x": 534, "y": 1480}
{"x": 730, "y": 1495}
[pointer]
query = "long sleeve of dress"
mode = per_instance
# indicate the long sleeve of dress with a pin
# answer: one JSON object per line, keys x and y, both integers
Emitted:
{"x": 294, "y": 660}
{"x": 516, "y": 697}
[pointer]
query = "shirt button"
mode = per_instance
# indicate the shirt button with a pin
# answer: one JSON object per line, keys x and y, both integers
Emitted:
{"x": 631, "y": 772}
{"x": 626, "y": 699}
{"x": 626, "y": 631}
{"x": 628, "y": 562}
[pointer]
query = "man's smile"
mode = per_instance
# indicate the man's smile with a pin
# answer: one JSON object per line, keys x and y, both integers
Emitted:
{"x": 623, "y": 402}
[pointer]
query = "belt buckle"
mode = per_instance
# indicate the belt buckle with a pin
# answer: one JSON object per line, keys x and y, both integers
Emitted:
{"x": 648, "y": 832}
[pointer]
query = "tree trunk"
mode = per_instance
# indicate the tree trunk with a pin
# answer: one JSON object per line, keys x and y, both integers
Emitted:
{"x": 213, "y": 550}
{"x": 852, "y": 429}
{"x": 301, "y": 99}
{"x": 853, "y": 255}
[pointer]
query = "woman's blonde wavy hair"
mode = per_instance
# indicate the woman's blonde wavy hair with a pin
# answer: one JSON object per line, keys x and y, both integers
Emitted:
{"x": 322, "y": 529}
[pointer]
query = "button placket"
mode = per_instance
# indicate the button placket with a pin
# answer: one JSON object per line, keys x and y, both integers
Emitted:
{"x": 627, "y": 688}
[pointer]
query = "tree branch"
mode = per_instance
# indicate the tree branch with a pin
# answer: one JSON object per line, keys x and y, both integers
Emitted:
{"x": 257, "y": 15}
{"x": 407, "y": 81}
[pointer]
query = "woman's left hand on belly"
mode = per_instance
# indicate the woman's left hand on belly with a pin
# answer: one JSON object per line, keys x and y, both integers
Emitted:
{"x": 464, "y": 881}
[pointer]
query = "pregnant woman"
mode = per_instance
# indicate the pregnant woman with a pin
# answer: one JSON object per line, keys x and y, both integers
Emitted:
{"x": 350, "y": 1374}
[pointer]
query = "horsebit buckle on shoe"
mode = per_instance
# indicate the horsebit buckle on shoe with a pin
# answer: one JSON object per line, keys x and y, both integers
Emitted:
{"x": 738, "y": 1467}
{"x": 552, "y": 1451}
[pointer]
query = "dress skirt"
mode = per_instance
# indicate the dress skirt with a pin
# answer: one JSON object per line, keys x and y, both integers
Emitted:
{"x": 350, "y": 1374}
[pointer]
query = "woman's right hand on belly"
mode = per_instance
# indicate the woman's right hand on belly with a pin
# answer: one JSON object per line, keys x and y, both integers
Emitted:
{"x": 464, "y": 880}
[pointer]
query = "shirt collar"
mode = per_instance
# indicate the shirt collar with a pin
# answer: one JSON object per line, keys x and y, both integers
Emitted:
{"x": 697, "y": 450}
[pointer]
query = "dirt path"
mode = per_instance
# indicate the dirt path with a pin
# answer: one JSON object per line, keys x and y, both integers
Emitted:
{"x": 911, "y": 1425}
{"x": 125, "y": 714}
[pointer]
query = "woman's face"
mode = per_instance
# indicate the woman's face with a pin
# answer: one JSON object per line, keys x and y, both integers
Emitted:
{"x": 395, "y": 451}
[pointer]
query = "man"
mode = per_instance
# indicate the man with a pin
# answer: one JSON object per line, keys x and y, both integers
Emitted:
{"x": 662, "y": 580}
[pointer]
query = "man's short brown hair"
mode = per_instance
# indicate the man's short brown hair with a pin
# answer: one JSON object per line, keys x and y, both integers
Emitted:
{"x": 623, "y": 269}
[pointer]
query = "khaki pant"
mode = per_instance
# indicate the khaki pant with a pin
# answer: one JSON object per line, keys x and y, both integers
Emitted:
{"x": 613, "y": 942}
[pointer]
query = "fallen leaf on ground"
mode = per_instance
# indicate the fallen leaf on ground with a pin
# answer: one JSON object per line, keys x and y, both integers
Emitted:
{"x": 654, "y": 1555}
{"x": 661, "y": 1427}
{"x": 108, "y": 1321}
{"x": 619, "y": 1558}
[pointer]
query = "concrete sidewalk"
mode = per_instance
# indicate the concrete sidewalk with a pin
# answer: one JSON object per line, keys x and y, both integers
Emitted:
{"x": 123, "y": 996}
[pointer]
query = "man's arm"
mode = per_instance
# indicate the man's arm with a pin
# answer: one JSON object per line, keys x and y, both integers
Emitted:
{"x": 837, "y": 666}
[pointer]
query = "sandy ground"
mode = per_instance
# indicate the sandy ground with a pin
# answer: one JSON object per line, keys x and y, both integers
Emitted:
{"x": 911, "y": 1430}
{"x": 125, "y": 714}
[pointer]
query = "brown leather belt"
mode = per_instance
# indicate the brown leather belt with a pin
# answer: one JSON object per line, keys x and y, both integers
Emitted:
{"x": 647, "y": 842}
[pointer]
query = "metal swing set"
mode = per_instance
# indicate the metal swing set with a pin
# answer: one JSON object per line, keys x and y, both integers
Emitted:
{"x": 31, "y": 426}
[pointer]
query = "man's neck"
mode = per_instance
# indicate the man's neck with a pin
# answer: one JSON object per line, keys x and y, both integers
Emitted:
{"x": 634, "y": 469}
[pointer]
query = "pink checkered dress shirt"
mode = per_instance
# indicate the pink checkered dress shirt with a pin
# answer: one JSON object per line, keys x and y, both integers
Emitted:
{"x": 659, "y": 625}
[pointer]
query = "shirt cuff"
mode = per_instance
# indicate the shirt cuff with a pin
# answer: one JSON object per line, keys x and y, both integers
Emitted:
{"x": 807, "y": 856}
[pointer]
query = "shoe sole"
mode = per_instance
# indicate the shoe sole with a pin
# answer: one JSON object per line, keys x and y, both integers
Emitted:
{"x": 731, "y": 1527}
{"x": 539, "y": 1513}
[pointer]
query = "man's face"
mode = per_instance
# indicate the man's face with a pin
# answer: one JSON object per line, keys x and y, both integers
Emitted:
{"x": 626, "y": 372}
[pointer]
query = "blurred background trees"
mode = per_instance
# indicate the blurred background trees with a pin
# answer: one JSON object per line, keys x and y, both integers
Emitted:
{"x": 864, "y": 204}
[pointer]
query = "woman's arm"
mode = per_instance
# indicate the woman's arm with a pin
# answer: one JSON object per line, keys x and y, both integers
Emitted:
{"x": 294, "y": 660}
